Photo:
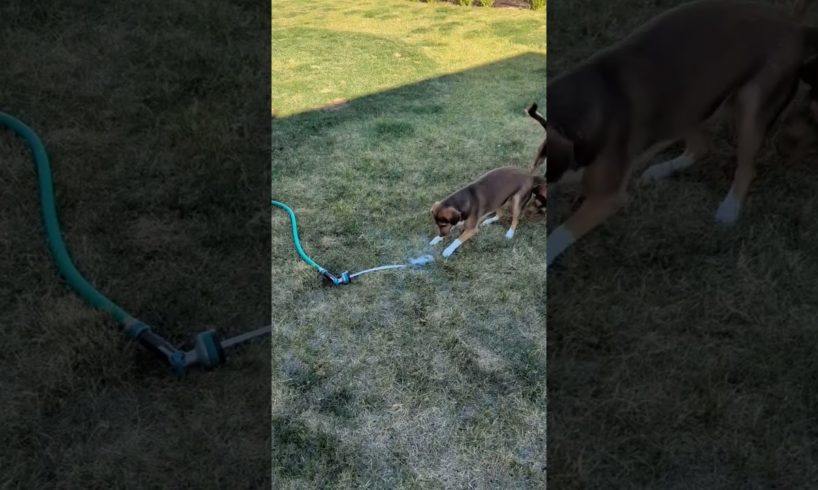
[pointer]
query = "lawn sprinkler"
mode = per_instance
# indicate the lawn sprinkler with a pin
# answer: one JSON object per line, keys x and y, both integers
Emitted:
{"x": 344, "y": 277}
{"x": 208, "y": 350}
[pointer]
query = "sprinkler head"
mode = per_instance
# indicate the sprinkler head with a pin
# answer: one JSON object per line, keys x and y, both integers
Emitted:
{"x": 207, "y": 350}
{"x": 422, "y": 260}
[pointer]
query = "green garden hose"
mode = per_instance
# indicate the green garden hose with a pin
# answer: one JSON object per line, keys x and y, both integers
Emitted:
{"x": 344, "y": 277}
{"x": 133, "y": 327}
{"x": 306, "y": 258}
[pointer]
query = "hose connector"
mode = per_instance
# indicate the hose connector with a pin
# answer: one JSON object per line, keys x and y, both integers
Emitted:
{"x": 330, "y": 278}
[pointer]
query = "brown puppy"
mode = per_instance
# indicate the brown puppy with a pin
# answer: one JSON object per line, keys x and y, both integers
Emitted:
{"x": 660, "y": 85}
{"x": 471, "y": 205}
{"x": 539, "y": 160}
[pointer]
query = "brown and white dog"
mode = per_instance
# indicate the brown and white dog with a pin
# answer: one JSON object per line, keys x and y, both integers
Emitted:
{"x": 472, "y": 205}
{"x": 660, "y": 85}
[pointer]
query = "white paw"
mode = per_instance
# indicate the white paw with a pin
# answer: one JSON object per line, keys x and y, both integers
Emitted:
{"x": 510, "y": 234}
{"x": 655, "y": 172}
{"x": 493, "y": 219}
{"x": 728, "y": 211}
{"x": 451, "y": 248}
{"x": 436, "y": 240}
{"x": 663, "y": 170}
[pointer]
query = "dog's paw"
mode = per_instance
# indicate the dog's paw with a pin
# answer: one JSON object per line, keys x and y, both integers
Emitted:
{"x": 436, "y": 240}
{"x": 509, "y": 234}
{"x": 728, "y": 211}
{"x": 451, "y": 248}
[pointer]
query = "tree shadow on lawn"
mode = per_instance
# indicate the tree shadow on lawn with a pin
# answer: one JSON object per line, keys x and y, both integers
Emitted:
{"x": 388, "y": 149}
{"x": 432, "y": 377}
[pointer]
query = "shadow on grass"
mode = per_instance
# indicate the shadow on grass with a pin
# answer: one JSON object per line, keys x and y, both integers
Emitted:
{"x": 388, "y": 143}
{"x": 677, "y": 349}
{"x": 158, "y": 133}
{"x": 425, "y": 97}
{"x": 434, "y": 377}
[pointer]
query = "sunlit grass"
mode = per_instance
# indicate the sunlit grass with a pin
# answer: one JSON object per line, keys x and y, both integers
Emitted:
{"x": 325, "y": 51}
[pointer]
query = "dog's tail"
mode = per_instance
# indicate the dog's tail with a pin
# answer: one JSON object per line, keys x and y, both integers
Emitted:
{"x": 532, "y": 111}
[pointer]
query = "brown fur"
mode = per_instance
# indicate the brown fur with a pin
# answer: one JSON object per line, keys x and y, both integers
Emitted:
{"x": 661, "y": 84}
{"x": 486, "y": 195}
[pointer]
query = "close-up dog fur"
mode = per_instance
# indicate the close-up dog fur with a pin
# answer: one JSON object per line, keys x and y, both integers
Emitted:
{"x": 472, "y": 205}
{"x": 617, "y": 110}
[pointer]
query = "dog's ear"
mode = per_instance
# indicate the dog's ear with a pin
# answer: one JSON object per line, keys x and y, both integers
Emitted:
{"x": 560, "y": 155}
{"x": 452, "y": 215}
{"x": 434, "y": 209}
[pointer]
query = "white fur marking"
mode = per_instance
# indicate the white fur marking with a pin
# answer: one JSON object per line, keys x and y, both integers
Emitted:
{"x": 510, "y": 234}
{"x": 491, "y": 220}
{"x": 663, "y": 170}
{"x": 451, "y": 248}
{"x": 436, "y": 240}
{"x": 556, "y": 243}
{"x": 728, "y": 210}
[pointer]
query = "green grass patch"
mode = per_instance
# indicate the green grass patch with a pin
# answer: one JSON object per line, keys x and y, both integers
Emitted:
{"x": 339, "y": 54}
{"x": 411, "y": 379}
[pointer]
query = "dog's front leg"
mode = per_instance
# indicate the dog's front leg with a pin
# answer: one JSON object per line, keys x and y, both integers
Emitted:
{"x": 465, "y": 236}
{"x": 516, "y": 204}
{"x": 750, "y": 135}
{"x": 440, "y": 238}
{"x": 590, "y": 214}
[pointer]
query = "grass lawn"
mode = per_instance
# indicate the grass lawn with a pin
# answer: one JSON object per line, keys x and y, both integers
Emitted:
{"x": 158, "y": 138}
{"x": 412, "y": 379}
{"x": 325, "y": 51}
{"x": 682, "y": 355}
